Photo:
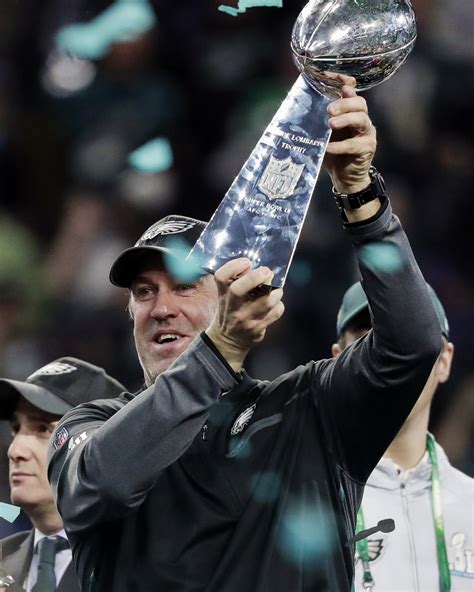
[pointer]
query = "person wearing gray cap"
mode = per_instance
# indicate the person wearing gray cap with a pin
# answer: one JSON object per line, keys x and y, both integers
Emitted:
{"x": 40, "y": 560}
{"x": 210, "y": 480}
{"x": 431, "y": 502}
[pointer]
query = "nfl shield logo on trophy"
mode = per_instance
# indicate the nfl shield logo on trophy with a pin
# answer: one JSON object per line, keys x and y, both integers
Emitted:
{"x": 280, "y": 177}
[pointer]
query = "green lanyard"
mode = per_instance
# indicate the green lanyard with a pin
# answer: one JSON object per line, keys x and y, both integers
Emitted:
{"x": 363, "y": 550}
{"x": 443, "y": 567}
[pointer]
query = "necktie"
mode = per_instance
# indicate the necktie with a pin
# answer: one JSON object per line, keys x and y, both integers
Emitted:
{"x": 47, "y": 549}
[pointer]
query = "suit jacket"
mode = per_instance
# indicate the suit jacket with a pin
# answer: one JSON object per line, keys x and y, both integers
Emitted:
{"x": 16, "y": 552}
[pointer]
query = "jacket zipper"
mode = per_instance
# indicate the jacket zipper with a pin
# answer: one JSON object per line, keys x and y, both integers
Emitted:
{"x": 410, "y": 536}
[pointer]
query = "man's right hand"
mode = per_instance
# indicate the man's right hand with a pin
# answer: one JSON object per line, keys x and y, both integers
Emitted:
{"x": 243, "y": 315}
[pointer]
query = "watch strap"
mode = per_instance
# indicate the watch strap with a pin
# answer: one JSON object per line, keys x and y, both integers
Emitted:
{"x": 353, "y": 201}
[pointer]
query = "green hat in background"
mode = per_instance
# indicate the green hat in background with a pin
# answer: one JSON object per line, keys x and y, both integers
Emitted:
{"x": 355, "y": 301}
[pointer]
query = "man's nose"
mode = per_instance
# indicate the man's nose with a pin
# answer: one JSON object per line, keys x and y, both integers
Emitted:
{"x": 19, "y": 449}
{"x": 165, "y": 306}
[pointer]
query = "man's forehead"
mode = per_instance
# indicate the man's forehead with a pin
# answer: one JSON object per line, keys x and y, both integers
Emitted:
{"x": 153, "y": 265}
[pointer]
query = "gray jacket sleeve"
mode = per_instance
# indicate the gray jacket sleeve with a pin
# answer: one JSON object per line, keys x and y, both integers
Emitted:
{"x": 366, "y": 394}
{"x": 107, "y": 455}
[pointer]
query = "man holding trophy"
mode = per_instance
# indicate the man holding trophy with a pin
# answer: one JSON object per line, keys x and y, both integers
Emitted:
{"x": 210, "y": 480}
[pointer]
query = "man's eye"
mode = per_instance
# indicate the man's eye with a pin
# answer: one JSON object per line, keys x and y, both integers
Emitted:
{"x": 142, "y": 293}
{"x": 44, "y": 428}
{"x": 185, "y": 287}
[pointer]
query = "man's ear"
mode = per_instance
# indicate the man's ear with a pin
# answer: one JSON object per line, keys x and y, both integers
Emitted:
{"x": 129, "y": 310}
{"x": 335, "y": 350}
{"x": 443, "y": 363}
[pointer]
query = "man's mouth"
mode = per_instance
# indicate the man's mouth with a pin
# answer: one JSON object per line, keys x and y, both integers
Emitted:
{"x": 167, "y": 338}
{"x": 19, "y": 475}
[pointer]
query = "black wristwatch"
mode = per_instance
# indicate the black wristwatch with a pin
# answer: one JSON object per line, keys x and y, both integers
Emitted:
{"x": 353, "y": 201}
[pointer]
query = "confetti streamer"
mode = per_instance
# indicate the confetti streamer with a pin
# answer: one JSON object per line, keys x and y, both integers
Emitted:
{"x": 8, "y": 512}
{"x": 244, "y": 4}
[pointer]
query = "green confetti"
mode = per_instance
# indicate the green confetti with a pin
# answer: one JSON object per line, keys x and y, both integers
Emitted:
{"x": 8, "y": 512}
{"x": 156, "y": 156}
{"x": 381, "y": 257}
{"x": 306, "y": 533}
{"x": 124, "y": 20}
{"x": 244, "y": 4}
{"x": 181, "y": 267}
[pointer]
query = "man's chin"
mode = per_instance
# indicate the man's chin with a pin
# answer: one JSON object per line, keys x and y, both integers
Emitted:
{"x": 153, "y": 368}
{"x": 24, "y": 499}
{"x": 152, "y": 371}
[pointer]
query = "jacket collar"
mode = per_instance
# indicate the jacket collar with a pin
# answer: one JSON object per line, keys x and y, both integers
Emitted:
{"x": 389, "y": 476}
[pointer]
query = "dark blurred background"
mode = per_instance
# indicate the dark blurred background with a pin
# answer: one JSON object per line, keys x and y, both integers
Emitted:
{"x": 85, "y": 83}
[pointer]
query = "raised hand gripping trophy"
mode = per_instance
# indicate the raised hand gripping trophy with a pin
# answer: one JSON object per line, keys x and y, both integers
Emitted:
{"x": 263, "y": 211}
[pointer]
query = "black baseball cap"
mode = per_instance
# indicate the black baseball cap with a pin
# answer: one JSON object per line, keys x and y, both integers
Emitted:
{"x": 354, "y": 302}
{"x": 159, "y": 238}
{"x": 58, "y": 387}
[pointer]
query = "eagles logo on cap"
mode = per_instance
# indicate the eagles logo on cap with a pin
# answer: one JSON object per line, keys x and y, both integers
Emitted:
{"x": 164, "y": 228}
{"x": 54, "y": 368}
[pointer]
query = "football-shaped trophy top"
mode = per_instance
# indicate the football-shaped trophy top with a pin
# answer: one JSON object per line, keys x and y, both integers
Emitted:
{"x": 367, "y": 39}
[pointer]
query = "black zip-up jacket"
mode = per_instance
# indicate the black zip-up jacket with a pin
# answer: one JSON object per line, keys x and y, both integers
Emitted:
{"x": 183, "y": 488}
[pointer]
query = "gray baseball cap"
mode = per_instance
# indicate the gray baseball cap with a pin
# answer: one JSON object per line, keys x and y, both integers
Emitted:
{"x": 159, "y": 238}
{"x": 58, "y": 387}
{"x": 354, "y": 302}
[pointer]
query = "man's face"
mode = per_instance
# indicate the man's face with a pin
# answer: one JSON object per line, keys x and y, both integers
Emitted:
{"x": 31, "y": 430}
{"x": 167, "y": 315}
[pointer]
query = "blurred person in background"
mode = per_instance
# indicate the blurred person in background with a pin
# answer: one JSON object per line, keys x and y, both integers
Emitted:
{"x": 431, "y": 502}
{"x": 39, "y": 560}
{"x": 209, "y": 479}
{"x": 19, "y": 317}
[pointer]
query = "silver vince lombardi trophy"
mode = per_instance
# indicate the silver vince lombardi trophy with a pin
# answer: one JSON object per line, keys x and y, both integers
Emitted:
{"x": 262, "y": 213}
